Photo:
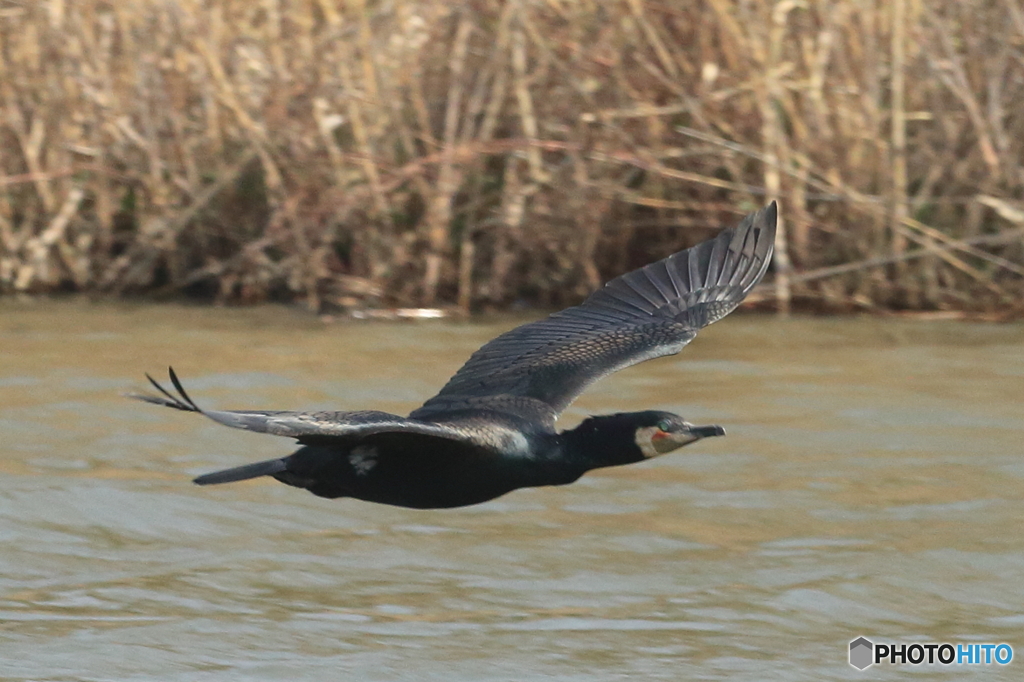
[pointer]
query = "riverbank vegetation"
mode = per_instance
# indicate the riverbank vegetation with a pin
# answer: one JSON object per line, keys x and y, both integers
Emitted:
{"x": 477, "y": 154}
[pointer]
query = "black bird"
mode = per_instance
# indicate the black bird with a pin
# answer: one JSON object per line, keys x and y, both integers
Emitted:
{"x": 491, "y": 429}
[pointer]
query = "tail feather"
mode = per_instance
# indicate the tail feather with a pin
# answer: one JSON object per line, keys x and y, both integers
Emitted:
{"x": 255, "y": 470}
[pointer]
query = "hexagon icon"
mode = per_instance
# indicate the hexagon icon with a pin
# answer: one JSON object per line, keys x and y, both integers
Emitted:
{"x": 861, "y": 653}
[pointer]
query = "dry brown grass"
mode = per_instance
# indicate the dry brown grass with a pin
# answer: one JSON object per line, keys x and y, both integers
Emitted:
{"x": 424, "y": 152}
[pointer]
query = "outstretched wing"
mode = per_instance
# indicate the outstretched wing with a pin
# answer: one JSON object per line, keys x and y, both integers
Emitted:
{"x": 644, "y": 314}
{"x": 307, "y": 427}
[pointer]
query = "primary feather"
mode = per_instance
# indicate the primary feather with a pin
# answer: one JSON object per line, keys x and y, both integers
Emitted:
{"x": 644, "y": 314}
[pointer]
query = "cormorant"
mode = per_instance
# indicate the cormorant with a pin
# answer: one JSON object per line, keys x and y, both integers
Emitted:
{"x": 491, "y": 429}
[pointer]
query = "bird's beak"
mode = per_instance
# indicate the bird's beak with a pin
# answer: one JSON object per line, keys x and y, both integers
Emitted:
{"x": 707, "y": 431}
{"x": 665, "y": 441}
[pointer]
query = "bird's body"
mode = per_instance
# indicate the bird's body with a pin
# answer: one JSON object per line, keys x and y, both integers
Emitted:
{"x": 491, "y": 429}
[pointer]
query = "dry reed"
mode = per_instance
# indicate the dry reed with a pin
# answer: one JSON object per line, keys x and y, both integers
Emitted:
{"x": 421, "y": 152}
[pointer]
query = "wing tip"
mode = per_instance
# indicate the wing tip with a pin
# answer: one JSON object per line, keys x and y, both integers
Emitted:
{"x": 766, "y": 225}
{"x": 182, "y": 401}
{"x": 769, "y": 221}
{"x": 762, "y": 224}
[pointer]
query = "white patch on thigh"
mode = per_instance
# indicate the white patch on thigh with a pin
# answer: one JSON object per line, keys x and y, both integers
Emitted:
{"x": 362, "y": 459}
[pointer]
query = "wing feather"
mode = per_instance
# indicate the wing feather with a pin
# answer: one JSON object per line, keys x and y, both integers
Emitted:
{"x": 304, "y": 426}
{"x": 647, "y": 313}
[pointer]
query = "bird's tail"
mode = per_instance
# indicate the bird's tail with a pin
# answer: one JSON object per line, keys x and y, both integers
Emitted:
{"x": 255, "y": 470}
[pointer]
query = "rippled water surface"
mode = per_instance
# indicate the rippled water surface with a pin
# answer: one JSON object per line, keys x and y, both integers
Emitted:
{"x": 872, "y": 483}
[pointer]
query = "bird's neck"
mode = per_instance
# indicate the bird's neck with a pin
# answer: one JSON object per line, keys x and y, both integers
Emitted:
{"x": 600, "y": 442}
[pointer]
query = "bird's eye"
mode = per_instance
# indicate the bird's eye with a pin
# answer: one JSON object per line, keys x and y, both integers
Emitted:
{"x": 663, "y": 425}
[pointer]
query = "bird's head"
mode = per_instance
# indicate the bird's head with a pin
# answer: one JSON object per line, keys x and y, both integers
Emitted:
{"x": 657, "y": 433}
{"x": 626, "y": 437}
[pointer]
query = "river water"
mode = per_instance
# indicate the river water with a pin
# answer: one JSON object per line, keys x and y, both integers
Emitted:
{"x": 872, "y": 483}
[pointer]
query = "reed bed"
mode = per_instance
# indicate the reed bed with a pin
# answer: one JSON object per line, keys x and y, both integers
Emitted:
{"x": 482, "y": 153}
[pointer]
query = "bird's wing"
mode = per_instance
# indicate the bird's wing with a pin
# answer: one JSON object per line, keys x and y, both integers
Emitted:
{"x": 644, "y": 314}
{"x": 307, "y": 427}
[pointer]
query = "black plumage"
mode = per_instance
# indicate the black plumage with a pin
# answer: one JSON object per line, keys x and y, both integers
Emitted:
{"x": 491, "y": 429}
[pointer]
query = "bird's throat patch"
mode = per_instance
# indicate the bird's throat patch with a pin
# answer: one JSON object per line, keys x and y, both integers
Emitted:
{"x": 647, "y": 438}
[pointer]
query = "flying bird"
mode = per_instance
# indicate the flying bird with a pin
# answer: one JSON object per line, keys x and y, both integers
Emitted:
{"x": 491, "y": 429}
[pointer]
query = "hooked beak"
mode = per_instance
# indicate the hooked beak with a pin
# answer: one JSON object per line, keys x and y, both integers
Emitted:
{"x": 664, "y": 441}
{"x": 707, "y": 431}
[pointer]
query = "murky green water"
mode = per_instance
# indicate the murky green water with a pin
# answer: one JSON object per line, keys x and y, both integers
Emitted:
{"x": 872, "y": 483}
